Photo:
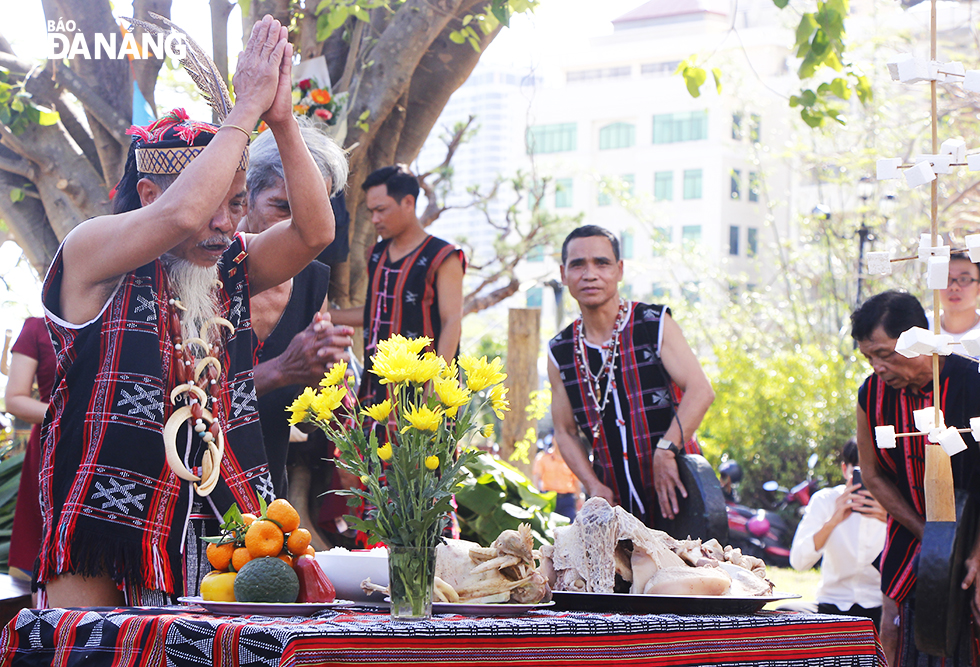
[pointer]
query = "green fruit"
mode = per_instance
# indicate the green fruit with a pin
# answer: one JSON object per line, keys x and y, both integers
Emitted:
{"x": 266, "y": 580}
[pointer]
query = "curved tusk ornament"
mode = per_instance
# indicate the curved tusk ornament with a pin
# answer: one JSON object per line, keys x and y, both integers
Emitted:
{"x": 220, "y": 321}
{"x": 204, "y": 363}
{"x": 206, "y": 346}
{"x": 170, "y": 429}
{"x": 211, "y": 466}
{"x": 192, "y": 388}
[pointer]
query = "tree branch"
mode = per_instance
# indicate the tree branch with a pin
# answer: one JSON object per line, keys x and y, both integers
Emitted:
{"x": 474, "y": 304}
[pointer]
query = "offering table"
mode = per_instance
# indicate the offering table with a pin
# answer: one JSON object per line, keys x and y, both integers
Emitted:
{"x": 187, "y": 636}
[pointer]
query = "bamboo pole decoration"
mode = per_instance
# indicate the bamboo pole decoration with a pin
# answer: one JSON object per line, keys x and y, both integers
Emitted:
{"x": 938, "y": 482}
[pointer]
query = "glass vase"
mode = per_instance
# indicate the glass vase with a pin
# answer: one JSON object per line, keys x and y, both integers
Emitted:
{"x": 411, "y": 577}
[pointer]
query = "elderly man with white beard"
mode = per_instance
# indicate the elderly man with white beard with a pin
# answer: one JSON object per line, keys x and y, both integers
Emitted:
{"x": 153, "y": 432}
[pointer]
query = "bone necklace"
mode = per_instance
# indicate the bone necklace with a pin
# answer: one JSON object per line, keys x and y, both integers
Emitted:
{"x": 198, "y": 379}
{"x": 610, "y": 352}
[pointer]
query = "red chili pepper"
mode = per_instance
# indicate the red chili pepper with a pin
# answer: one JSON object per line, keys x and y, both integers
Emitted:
{"x": 314, "y": 586}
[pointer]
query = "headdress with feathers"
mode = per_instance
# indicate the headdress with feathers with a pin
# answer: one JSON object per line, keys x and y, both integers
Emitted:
{"x": 167, "y": 145}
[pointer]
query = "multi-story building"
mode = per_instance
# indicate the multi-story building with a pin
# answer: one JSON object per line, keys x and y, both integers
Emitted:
{"x": 696, "y": 187}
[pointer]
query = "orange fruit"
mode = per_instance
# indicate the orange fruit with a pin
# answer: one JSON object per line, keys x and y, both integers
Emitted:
{"x": 264, "y": 539}
{"x": 239, "y": 558}
{"x": 249, "y": 518}
{"x": 284, "y": 514}
{"x": 297, "y": 541}
{"x": 310, "y": 551}
{"x": 219, "y": 555}
{"x": 285, "y": 558}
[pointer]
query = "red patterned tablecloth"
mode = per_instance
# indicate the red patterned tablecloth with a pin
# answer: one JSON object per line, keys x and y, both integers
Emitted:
{"x": 177, "y": 637}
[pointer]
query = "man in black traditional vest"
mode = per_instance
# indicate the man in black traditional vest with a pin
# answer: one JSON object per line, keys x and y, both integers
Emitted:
{"x": 149, "y": 307}
{"x": 616, "y": 373}
{"x": 415, "y": 281}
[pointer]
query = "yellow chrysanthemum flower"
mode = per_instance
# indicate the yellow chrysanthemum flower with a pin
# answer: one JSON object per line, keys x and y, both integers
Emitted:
{"x": 487, "y": 431}
{"x": 394, "y": 364}
{"x": 481, "y": 374}
{"x": 451, "y": 394}
{"x": 385, "y": 452}
{"x": 432, "y": 462}
{"x": 301, "y": 406}
{"x": 399, "y": 342}
{"x": 427, "y": 368}
{"x": 327, "y": 400}
{"x": 423, "y": 418}
{"x": 379, "y": 412}
{"x": 450, "y": 371}
{"x": 335, "y": 375}
{"x": 498, "y": 400}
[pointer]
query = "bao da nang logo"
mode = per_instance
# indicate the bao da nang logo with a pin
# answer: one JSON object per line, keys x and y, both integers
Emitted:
{"x": 65, "y": 42}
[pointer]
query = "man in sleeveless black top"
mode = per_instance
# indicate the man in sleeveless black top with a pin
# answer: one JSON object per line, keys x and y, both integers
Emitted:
{"x": 613, "y": 376}
{"x": 415, "y": 281}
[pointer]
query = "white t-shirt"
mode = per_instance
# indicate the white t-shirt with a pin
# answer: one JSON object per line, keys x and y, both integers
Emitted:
{"x": 847, "y": 575}
{"x": 956, "y": 336}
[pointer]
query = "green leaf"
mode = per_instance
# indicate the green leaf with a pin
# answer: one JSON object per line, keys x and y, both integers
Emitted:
{"x": 16, "y": 194}
{"x": 694, "y": 77}
{"x": 812, "y": 118}
{"x": 840, "y": 88}
{"x": 245, "y": 5}
{"x": 47, "y": 117}
{"x": 17, "y": 104}
{"x": 832, "y": 23}
{"x": 863, "y": 88}
{"x": 362, "y": 15}
{"x": 780, "y": 3}
{"x": 716, "y": 74}
{"x": 501, "y": 10}
{"x": 806, "y": 27}
{"x": 457, "y": 37}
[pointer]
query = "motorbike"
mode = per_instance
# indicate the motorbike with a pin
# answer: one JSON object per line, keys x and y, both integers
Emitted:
{"x": 762, "y": 533}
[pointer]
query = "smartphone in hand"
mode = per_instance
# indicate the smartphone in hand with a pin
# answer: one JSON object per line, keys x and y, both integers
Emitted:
{"x": 856, "y": 479}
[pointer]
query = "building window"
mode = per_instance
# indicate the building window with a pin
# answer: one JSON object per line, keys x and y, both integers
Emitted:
{"x": 733, "y": 239}
{"x": 628, "y": 184}
{"x": 605, "y": 197}
{"x": 617, "y": 135}
{"x": 659, "y": 69}
{"x": 626, "y": 244}
{"x": 736, "y": 184}
{"x": 627, "y": 290}
{"x": 663, "y": 186}
{"x": 690, "y": 235}
{"x": 557, "y": 138}
{"x": 534, "y": 297}
{"x": 682, "y": 126}
{"x": 563, "y": 193}
{"x": 691, "y": 291}
{"x": 595, "y": 74}
{"x": 661, "y": 236}
{"x": 535, "y": 254}
{"x": 753, "y": 186}
{"x": 659, "y": 291}
{"x": 692, "y": 184}
{"x": 755, "y": 130}
{"x": 737, "y": 126}
{"x": 752, "y": 241}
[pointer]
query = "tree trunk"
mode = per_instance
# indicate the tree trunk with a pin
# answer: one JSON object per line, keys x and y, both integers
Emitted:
{"x": 220, "y": 10}
{"x": 147, "y": 69}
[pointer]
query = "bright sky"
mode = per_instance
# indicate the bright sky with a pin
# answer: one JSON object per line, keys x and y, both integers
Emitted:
{"x": 556, "y": 26}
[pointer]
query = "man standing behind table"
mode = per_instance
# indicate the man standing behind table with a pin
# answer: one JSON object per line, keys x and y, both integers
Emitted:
{"x": 845, "y": 526}
{"x": 297, "y": 343}
{"x": 613, "y": 373}
{"x": 140, "y": 304}
{"x": 415, "y": 281}
{"x": 895, "y": 476}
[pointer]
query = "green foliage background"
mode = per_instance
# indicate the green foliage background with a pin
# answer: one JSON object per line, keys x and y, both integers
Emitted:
{"x": 772, "y": 411}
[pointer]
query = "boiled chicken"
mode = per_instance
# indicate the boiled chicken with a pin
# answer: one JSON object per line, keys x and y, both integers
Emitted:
{"x": 608, "y": 550}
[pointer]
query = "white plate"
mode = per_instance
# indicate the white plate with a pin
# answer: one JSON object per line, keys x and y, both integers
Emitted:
{"x": 263, "y": 608}
{"x": 502, "y": 609}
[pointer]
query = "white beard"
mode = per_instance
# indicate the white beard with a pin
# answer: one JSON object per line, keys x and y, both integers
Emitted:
{"x": 195, "y": 287}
